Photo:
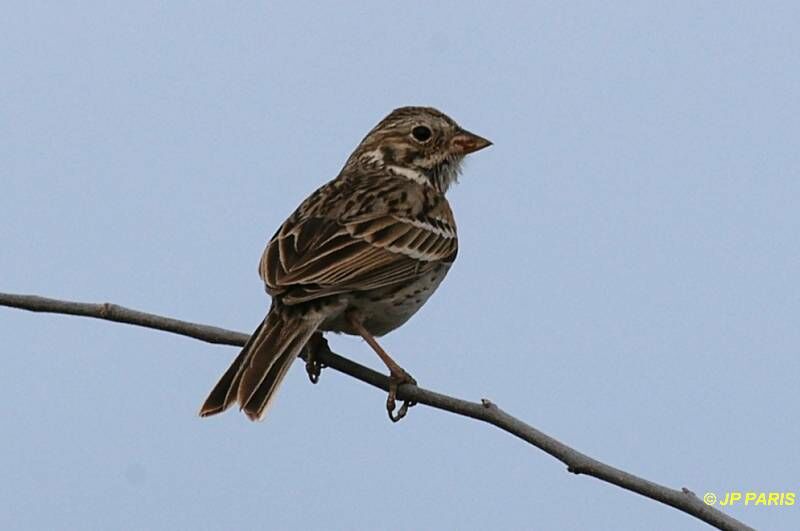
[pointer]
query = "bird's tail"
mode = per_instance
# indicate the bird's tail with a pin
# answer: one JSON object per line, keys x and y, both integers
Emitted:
{"x": 255, "y": 375}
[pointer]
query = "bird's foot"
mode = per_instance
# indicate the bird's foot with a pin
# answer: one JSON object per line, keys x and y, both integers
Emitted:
{"x": 314, "y": 366}
{"x": 398, "y": 378}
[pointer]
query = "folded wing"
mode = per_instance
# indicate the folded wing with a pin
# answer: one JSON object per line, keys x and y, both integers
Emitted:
{"x": 321, "y": 254}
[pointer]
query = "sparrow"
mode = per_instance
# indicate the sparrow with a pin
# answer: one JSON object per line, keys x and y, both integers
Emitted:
{"x": 359, "y": 256}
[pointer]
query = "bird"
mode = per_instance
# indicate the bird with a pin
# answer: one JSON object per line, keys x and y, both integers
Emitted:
{"x": 359, "y": 256}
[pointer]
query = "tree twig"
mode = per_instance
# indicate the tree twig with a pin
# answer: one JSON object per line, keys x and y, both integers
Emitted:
{"x": 486, "y": 411}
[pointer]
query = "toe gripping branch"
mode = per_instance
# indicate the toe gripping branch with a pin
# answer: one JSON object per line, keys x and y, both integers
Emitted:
{"x": 314, "y": 366}
{"x": 396, "y": 380}
{"x": 318, "y": 344}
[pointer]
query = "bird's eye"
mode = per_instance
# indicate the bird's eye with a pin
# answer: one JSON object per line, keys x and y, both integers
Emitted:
{"x": 421, "y": 133}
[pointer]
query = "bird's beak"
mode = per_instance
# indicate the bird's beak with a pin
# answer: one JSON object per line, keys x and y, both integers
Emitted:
{"x": 465, "y": 142}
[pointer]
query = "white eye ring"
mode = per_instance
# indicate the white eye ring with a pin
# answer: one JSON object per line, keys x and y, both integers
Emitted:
{"x": 421, "y": 133}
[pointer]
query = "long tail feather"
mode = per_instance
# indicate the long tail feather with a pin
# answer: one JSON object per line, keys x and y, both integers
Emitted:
{"x": 257, "y": 372}
{"x": 224, "y": 393}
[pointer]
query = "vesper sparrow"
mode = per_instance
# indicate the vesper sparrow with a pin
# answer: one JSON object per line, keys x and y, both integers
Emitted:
{"x": 360, "y": 255}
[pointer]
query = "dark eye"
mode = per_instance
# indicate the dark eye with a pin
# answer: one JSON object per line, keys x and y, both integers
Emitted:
{"x": 421, "y": 133}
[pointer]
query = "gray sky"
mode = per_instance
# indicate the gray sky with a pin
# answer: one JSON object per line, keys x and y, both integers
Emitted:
{"x": 627, "y": 278}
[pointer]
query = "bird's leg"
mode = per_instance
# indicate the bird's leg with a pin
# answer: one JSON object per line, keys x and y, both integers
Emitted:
{"x": 397, "y": 374}
{"x": 317, "y": 343}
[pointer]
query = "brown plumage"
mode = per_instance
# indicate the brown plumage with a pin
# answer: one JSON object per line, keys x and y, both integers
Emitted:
{"x": 360, "y": 255}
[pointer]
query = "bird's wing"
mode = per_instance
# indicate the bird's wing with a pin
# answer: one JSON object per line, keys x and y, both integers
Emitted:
{"x": 374, "y": 241}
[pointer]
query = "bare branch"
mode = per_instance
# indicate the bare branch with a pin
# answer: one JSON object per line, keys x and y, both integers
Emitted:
{"x": 486, "y": 411}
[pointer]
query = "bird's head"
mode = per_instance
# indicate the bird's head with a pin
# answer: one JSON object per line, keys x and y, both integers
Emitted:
{"x": 419, "y": 143}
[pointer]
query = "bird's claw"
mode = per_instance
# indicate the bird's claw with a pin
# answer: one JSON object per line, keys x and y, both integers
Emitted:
{"x": 391, "y": 400}
{"x": 314, "y": 369}
{"x": 313, "y": 365}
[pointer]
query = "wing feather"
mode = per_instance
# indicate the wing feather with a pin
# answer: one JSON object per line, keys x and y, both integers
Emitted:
{"x": 320, "y": 253}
